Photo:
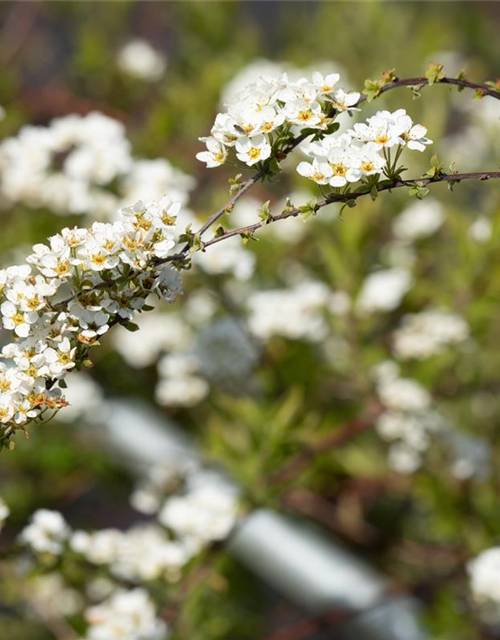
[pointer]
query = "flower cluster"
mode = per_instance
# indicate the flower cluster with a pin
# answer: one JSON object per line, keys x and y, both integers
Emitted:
{"x": 126, "y": 615}
{"x": 81, "y": 164}
{"x": 362, "y": 150}
{"x": 70, "y": 292}
{"x": 428, "y": 333}
{"x": 408, "y": 419}
{"x": 195, "y": 507}
{"x": 268, "y": 111}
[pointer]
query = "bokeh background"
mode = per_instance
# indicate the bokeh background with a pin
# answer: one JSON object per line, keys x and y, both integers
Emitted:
{"x": 275, "y": 349}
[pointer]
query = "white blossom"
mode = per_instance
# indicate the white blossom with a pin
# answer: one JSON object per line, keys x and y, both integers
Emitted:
{"x": 140, "y": 60}
{"x": 47, "y": 532}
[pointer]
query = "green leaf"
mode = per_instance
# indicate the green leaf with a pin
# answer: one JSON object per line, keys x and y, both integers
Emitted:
{"x": 265, "y": 213}
{"x": 247, "y": 235}
{"x": 131, "y": 326}
{"x": 309, "y": 209}
{"x": 235, "y": 184}
{"x": 436, "y": 170}
{"x": 435, "y": 72}
{"x": 418, "y": 190}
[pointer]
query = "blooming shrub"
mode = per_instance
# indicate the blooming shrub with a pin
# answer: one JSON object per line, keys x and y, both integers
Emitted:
{"x": 342, "y": 368}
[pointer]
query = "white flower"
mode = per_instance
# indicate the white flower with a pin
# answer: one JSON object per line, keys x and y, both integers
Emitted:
{"x": 386, "y": 129}
{"x": 140, "y": 60}
{"x": 428, "y": 333}
{"x": 295, "y": 313}
{"x": 126, "y": 615}
{"x": 47, "y": 532}
{"x": 481, "y": 229}
{"x": 383, "y": 290}
{"x": 304, "y": 114}
{"x": 345, "y": 101}
{"x": 4, "y": 512}
{"x": 404, "y": 395}
{"x": 215, "y": 155}
{"x": 484, "y": 575}
{"x": 419, "y": 220}
{"x": 319, "y": 172}
{"x": 253, "y": 150}
{"x": 325, "y": 84}
{"x": 205, "y": 514}
{"x": 16, "y": 320}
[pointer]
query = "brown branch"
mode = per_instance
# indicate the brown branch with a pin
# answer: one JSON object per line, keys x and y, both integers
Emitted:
{"x": 346, "y": 197}
{"x": 422, "y": 81}
{"x": 247, "y": 185}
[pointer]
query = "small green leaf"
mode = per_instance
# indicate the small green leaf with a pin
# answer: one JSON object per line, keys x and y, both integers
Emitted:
{"x": 131, "y": 326}
{"x": 265, "y": 213}
{"x": 418, "y": 190}
{"x": 247, "y": 235}
{"x": 435, "y": 72}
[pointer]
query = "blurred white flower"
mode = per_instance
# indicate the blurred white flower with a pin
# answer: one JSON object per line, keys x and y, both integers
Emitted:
{"x": 205, "y": 514}
{"x": 47, "y": 532}
{"x": 484, "y": 576}
{"x": 383, "y": 290}
{"x": 140, "y": 60}
{"x": 295, "y": 313}
{"x": 85, "y": 397}
{"x": 421, "y": 219}
{"x": 481, "y": 229}
{"x": 126, "y": 615}
{"x": 228, "y": 257}
{"x": 4, "y": 512}
{"x": 428, "y": 333}
{"x": 179, "y": 383}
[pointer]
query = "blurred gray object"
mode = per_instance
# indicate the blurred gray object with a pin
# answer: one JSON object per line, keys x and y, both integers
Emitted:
{"x": 296, "y": 558}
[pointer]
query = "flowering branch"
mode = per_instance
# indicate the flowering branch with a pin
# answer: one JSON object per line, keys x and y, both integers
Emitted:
{"x": 72, "y": 291}
{"x": 413, "y": 184}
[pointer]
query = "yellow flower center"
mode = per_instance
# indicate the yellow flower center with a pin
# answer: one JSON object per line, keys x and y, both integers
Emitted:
{"x": 168, "y": 219}
{"x": 339, "y": 169}
{"x": 99, "y": 259}
{"x": 382, "y": 138}
{"x": 18, "y": 318}
{"x": 34, "y": 302}
{"x": 305, "y": 115}
{"x": 367, "y": 166}
{"x": 143, "y": 223}
{"x": 254, "y": 153}
{"x": 62, "y": 268}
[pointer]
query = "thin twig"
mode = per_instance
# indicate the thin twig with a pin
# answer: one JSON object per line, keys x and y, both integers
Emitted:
{"x": 346, "y": 197}
{"x": 422, "y": 81}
